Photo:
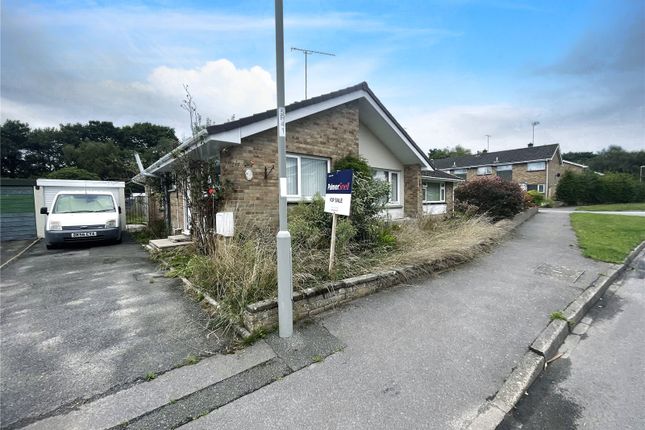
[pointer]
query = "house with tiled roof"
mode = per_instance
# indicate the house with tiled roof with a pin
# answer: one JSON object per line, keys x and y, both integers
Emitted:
{"x": 534, "y": 167}
{"x": 320, "y": 130}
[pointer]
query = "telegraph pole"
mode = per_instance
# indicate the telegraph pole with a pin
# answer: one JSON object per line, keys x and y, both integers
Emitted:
{"x": 283, "y": 239}
{"x": 307, "y": 52}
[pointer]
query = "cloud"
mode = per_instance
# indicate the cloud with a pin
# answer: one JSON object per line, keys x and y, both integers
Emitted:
{"x": 219, "y": 88}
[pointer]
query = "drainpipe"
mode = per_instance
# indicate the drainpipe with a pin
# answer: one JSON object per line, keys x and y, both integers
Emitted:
{"x": 546, "y": 185}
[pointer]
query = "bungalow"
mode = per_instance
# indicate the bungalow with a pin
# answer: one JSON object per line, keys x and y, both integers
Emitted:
{"x": 534, "y": 167}
{"x": 320, "y": 130}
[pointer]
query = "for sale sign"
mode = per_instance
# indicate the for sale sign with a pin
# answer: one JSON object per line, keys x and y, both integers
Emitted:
{"x": 339, "y": 192}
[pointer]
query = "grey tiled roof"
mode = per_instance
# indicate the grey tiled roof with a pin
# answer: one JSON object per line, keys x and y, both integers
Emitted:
{"x": 544, "y": 152}
{"x": 438, "y": 174}
{"x": 213, "y": 129}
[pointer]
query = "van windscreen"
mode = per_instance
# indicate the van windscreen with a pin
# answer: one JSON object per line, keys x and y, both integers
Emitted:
{"x": 79, "y": 203}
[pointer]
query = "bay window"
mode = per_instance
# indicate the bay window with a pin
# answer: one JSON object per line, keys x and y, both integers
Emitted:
{"x": 306, "y": 176}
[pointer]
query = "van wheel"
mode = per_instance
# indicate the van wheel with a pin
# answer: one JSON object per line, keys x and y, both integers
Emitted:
{"x": 49, "y": 246}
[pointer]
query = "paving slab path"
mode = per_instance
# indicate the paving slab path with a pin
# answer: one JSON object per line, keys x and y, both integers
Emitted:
{"x": 82, "y": 322}
{"x": 428, "y": 354}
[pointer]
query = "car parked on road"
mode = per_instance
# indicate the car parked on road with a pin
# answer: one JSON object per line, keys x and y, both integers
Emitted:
{"x": 82, "y": 217}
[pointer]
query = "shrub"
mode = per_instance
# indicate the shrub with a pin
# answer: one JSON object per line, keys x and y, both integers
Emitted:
{"x": 567, "y": 189}
{"x": 73, "y": 173}
{"x": 491, "y": 196}
{"x": 369, "y": 197}
{"x": 536, "y": 197}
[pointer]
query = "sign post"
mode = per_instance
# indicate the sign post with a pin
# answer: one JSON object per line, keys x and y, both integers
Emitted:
{"x": 338, "y": 200}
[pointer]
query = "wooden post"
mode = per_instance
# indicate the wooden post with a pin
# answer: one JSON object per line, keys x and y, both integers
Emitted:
{"x": 332, "y": 248}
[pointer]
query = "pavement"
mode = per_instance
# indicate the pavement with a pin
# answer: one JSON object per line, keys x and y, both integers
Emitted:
{"x": 422, "y": 355}
{"x": 82, "y": 322}
{"x": 598, "y": 382}
{"x": 568, "y": 211}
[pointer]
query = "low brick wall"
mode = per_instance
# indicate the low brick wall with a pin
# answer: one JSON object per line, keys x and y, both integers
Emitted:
{"x": 311, "y": 301}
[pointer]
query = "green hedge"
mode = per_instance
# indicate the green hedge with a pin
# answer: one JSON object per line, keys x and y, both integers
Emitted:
{"x": 591, "y": 188}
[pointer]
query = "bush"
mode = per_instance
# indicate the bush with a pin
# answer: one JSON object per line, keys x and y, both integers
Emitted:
{"x": 494, "y": 197}
{"x": 590, "y": 188}
{"x": 536, "y": 197}
{"x": 369, "y": 197}
{"x": 73, "y": 173}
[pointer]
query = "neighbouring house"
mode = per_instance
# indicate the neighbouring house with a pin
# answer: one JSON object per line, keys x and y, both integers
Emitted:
{"x": 534, "y": 167}
{"x": 320, "y": 130}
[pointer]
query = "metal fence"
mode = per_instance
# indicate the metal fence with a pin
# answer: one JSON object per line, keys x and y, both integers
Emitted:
{"x": 136, "y": 209}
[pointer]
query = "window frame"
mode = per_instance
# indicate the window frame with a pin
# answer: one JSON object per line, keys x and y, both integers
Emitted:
{"x": 543, "y": 186}
{"x": 442, "y": 192}
{"x": 459, "y": 172}
{"x": 529, "y": 169}
{"x": 489, "y": 170}
{"x": 388, "y": 179}
{"x": 299, "y": 197}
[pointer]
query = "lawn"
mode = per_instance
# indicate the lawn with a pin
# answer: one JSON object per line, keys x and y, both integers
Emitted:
{"x": 614, "y": 207}
{"x": 608, "y": 237}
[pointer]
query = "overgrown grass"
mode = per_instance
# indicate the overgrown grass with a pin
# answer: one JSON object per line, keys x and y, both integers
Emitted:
{"x": 614, "y": 207}
{"x": 608, "y": 238}
{"x": 242, "y": 270}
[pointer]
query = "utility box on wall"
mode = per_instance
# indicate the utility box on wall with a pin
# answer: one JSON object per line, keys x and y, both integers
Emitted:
{"x": 224, "y": 224}
{"x": 46, "y": 189}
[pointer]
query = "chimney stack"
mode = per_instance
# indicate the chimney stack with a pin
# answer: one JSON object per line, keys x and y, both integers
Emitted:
{"x": 530, "y": 145}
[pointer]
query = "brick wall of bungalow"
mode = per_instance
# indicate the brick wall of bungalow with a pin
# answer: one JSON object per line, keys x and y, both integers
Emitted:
{"x": 331, "y": 134}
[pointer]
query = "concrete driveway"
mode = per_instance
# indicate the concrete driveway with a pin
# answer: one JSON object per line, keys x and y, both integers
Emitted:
{"x": 81, "y": 322}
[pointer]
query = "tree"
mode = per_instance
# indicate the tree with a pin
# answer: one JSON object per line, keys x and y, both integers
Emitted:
{"x": 105, "y": 159}
{"x": 457, "y": 151}
{"x": 14, "y": 136}
{"x": 616, "y": 159}
{"x": 73, "y": 173}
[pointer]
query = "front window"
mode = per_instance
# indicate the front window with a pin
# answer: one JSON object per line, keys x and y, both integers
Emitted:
{"x": 505, "y": 172}
{"x": 485, "y": 170}
{"x": 434, "y": 192}
{"x": 83, "y": 203}
{"x": 536, "y": 166}
{"x": 306, "y": 176}
{"x": 392, "y": 178}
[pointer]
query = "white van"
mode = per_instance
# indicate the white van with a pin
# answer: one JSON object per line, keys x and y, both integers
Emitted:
{"x": 78, "y": 217}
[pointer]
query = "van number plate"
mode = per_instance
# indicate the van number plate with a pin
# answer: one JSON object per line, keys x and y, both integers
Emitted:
{"x": 84, "y": 234}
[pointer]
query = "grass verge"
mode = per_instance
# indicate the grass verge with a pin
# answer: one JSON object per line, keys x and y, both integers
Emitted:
{"x": 614, "y": 207}
{"x": 608, "y": 238}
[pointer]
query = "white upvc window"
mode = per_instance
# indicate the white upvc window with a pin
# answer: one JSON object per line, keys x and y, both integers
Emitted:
{"x": 484, "y": 170}
{"x": 540, "y": 188}
{"x": 461, "y": 173}
{"x": 434, "y": 192}
{"x": 393, "y": 178}
{"x": 306, "y": 176}
{"x": 536, "y": 166}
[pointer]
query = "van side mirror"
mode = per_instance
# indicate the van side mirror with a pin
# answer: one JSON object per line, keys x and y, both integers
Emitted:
{"x": 43, "y": 211}
{"x": 119, "y": 209}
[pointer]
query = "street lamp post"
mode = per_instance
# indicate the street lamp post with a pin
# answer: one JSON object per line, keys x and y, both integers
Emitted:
{"x": 534, "y": 123}
{"x": 283, "y": 238}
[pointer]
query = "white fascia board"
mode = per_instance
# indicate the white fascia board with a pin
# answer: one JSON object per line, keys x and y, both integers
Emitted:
{"x": 79, "y": 183}
{"x": 433, "y": 179}
{"x": 575, "y": 164}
